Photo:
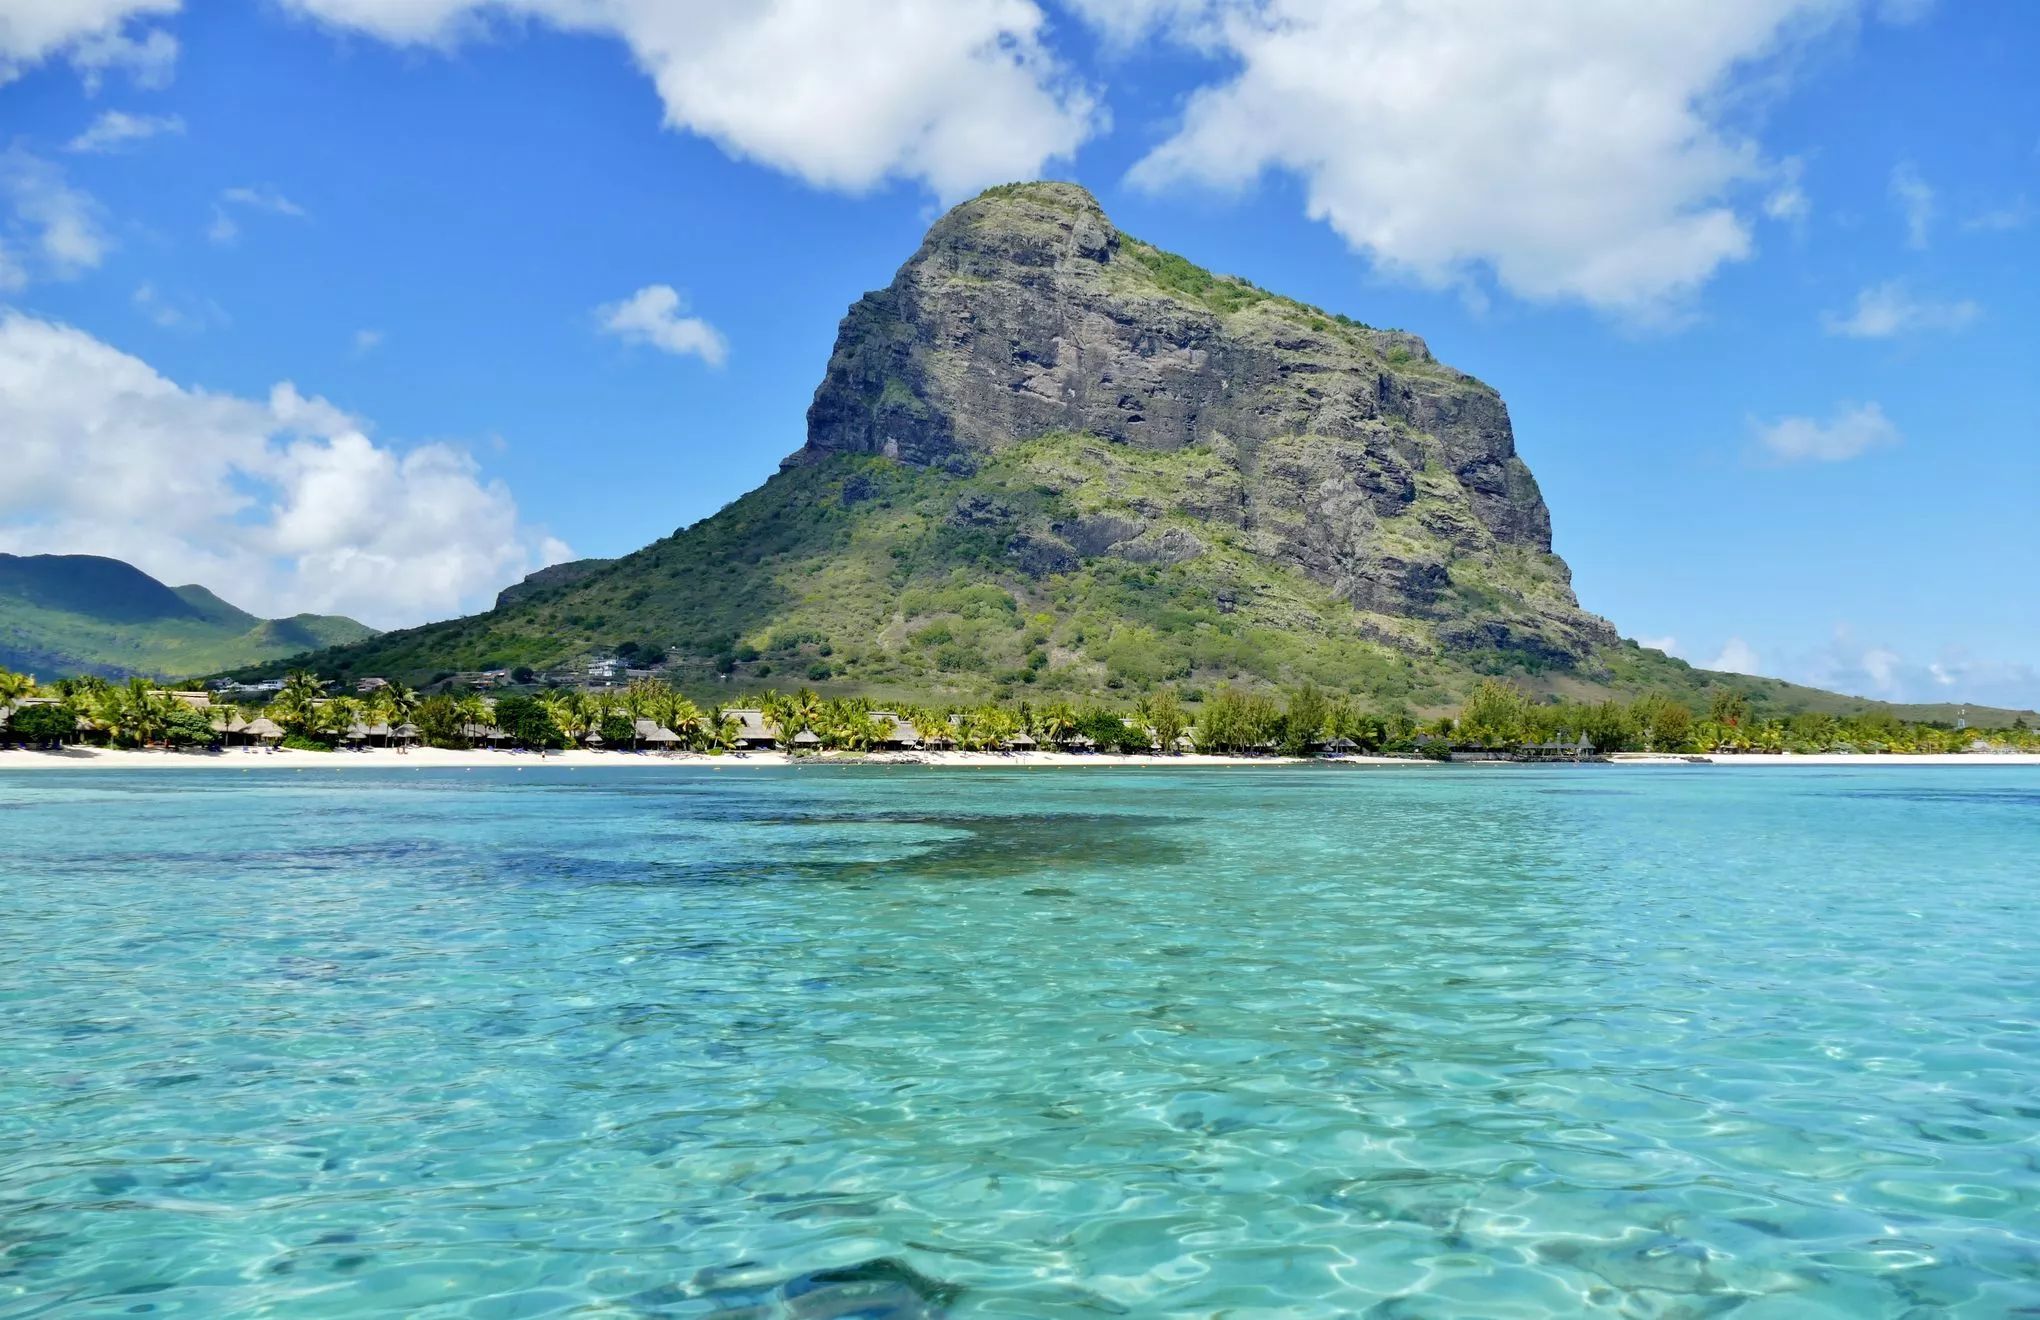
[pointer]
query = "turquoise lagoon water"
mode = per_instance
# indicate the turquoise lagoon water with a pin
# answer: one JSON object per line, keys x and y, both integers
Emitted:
{"x": 856, "y": 1042}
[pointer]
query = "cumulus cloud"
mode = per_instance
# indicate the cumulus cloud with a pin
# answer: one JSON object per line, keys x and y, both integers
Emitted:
{"x": 225, "y": 229}
{"x": 93, "y": 35}
{"x": 281, "y": 504}
{"x": 652, "y": 316}
{"x": 1853, "y": 430}
{"x": 1576, "y": 151}
{"x": 1669, "y": 645}
{"x": 116, "y": 129}
{"x": 47, "y": 227}
{"x": 841, "y": 93}
{"x": 1915, "y": 199}
{"x": 1887, "y": 309}
{"x": 1737, "y": 657}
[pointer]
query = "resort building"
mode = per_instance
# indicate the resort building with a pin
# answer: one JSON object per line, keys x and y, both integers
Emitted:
{"x": 753, "y": 732}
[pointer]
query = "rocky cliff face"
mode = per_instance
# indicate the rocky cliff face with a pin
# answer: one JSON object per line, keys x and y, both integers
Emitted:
{"x": 1348, "y": 452}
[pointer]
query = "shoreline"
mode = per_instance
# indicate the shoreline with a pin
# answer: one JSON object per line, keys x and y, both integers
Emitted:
{"x": 435, "y": 758}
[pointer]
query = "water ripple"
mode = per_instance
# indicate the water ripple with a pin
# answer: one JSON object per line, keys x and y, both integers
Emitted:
{"x": 891, "y": 1043}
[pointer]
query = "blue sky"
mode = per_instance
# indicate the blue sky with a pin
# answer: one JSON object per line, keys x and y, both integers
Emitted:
{"x": 373, "y": 305}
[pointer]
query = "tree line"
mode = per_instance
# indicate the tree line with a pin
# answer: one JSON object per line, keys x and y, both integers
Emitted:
{"x": 1302, "y": 720}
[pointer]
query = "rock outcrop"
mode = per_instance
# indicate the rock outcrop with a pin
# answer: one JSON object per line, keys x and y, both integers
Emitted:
{"x": 1343, "y": 450}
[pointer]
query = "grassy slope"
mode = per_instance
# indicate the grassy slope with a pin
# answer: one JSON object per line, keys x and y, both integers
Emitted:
{"x": 52, "y": 642}
{"x": 36, "y": 640}
{"x": 860, "y": 575}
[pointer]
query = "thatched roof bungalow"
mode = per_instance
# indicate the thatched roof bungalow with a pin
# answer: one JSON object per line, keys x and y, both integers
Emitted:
{"x": 902, "y": 735}
{"x": 650, "y": 731}
{"x": 753, "y": 731}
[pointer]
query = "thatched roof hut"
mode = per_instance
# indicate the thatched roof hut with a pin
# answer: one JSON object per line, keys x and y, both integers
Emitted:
{"x": 652, "y": 732}
{"x": 752, "y": 728}
{"x": 899, "y": 733}
{"x": 1020, "y": 742}
{"x": 807, "y": 738}
{"x": 264, "y": 728}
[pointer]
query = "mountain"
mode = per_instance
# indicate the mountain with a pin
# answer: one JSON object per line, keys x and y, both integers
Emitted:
{"x": 1050, "y": 458}
{"x": 72, "y": 614}
{"x": 552, "y": 575}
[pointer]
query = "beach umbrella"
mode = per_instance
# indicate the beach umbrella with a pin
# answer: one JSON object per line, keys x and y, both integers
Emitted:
{"x": 264, "y": 728}
{"x": 407, "y": 731}
{"x": 593, "y": 740}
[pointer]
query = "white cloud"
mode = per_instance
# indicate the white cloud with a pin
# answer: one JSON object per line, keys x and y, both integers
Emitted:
{"x": 1853, "y": 430}
{"x": 175, "y": 314}
{"x": 1737, "y": 657}
{"x": 1886, "y": 309}
{"x": 367, "y": 341}
{"x": 224, "y": 228}
{"x": 281, "y": 505}
{"x": 1885, "y": 672}
{"x": 263, "y": 198}
{"x": 116, "y": 128}
{"x": 1669, "y": 645}
{"x": 55, "y": 222}
{"x": 1789, "y": 204}
{"x": 2001, "y": 219}
{"x": 841, "y": 93}
{"x": 92, "y": 34}
{"x": 1915, "y": 200}
{"x": 1575, "y": 150}
{"x": 652, "y": 316}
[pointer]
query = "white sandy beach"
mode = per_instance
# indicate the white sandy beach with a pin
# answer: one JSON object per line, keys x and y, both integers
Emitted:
{"x": 428, "y": 758}
{"x": 433, "y": 758}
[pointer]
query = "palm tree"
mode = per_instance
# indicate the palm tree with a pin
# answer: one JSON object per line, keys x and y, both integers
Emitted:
{"x": 474, "y": 712}
{"x": 687, "y": 720}
{"x": 337, "y": 717}
{"x": 297, "y": 707}
{"x": 138, "y": 713}
{"x": 399, "y": 703}
{"x": 13, "y": 687}
{"x": 1057, "y": 722}
{"x": 569, "y": 711}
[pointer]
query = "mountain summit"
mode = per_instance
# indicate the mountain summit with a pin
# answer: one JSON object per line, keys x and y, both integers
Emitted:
{"x": 1347, "y": 452}
{"x": 1049, "y": 457}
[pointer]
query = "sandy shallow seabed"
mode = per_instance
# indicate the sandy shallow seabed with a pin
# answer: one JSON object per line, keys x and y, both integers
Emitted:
{"x": 438, "y": 758}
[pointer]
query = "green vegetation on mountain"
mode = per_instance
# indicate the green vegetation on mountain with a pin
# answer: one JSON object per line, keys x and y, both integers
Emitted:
{"x": 1052, "y": 462}
{"x": 83, "y": 614}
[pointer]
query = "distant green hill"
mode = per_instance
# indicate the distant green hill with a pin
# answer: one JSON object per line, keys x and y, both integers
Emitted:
{"x": 80, "y": 614}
